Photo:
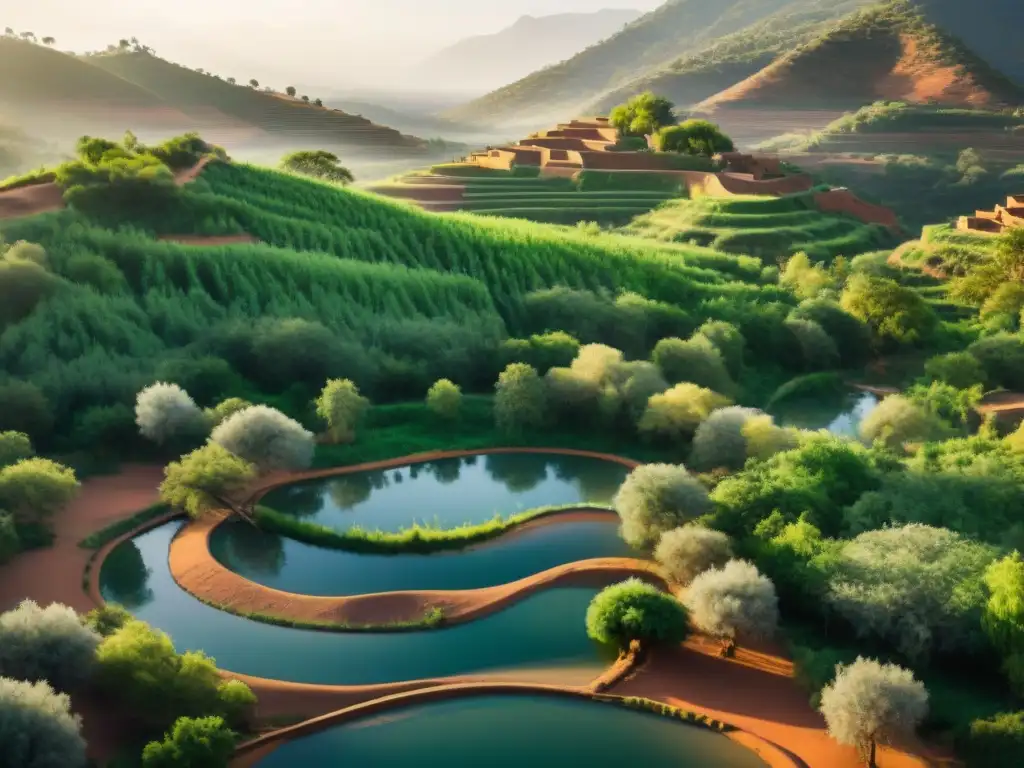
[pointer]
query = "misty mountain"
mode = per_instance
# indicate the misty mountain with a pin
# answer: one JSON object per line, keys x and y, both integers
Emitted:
{"x": 488, "y": 61}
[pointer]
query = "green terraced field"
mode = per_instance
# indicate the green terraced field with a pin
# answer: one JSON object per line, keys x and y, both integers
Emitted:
{"x": 770, "y": 228}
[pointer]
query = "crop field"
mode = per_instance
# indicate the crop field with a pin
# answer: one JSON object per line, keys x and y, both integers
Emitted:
{"x": 770, "y": 228}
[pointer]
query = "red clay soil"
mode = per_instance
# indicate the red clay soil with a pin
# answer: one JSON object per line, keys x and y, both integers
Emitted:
{"x": 198, "y": 572}
{"x": 756, "y": 691}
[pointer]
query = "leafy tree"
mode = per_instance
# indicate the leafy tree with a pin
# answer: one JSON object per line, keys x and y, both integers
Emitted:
{"x": 319, "y": 164}
{"x": 24, "y": 408}
{"x": 49, "y": 40}
{"x": 30, "y": 252}
{"x": 205, "y": 742}
{"x": 203, "y": 479}
{"x": 957, "y": 369}
{"x": 765, "y": 438}
{"x": 318, "y": 102}
{"x": 107, "y": 619}
{"x": 916, "y": 587}
{"x": 643, "y": 115}
{"x": 850, "y": 334}
{"x": 23, "y": 286}
{"x": 290, "y": 90}
{"x": 720, "y": 440}
{"x": 571, "y": 397}
{"x": 224, "y": 409}
{"x": 1005, "y": 266}
{"x": 48, "y": 644}
{"x": 951, "y": 405}
{"x": 805, "y": 279}
{"x": 232, "y": 81}
{"x": 734, "y": 600}
{"x": 1002, "y": 358}
{"x": 696, "y": 361}
{"x": 656, "y": 498}
{"x": 14, "y": 446}
{"x": 306, "y": 99}
{"x": 37, "y": 728}
{"x": 167, "y": 414}
{"x": 1003, "y": 618}
{"x": 869, "y": 702}
{"x": 34, "y": 490}
{"x": 267, "y": 438}
{"x": 634, "y": 610}
{"x": 895, "y": 314}
{"x": 675, "y": 414}
{"x": 898, "y": 420}
{"x": 254, "y": 83}
{"x": 728, "y": 340}
{"x": 994, "y": 742}
{"x": 445, "y": 399}
{"x": 139, "y": 666}
{"x": 520, "y": 398}
{"x": 342, "y": 407}
{"x": 542, "y": 351}
{"x": 694, "y": 137}
{"x": 820, "y": 352}
{"x": 688, "y": 551}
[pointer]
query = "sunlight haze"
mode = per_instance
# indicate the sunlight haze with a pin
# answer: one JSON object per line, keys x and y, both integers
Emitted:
{"x": 327, "y": 43}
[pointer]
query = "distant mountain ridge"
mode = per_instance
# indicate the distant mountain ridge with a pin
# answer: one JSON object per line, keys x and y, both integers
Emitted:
{"x": 690, "y": 50}
{"x": 485, "y": 62}
{"x": 60, "y": 96}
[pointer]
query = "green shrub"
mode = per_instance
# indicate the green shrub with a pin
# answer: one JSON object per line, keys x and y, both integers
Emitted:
{"x": 995, "y": 742}
{"x": 95, "y": 271}
{"x": 727, "y": 339}
{"x": 694, "y": 137}
{"x": 958, "y": 369}
{"x": 635, "y": 610}
{"x": 48, "y": 644}
{"x": 898, "y": 420}
{"x": 23, "y": 285}
{"x": 205, "y": 742}
{"x": 24, "y": 408}
{"x": 14, "y": 446}
{"x": 656, "y": 498}
{"x": 445, "y": 399}
{"x": 1002, "y": 358}
{"x": 696, "y": 361}
{"x": 520, "y": 398}
{"x": 107, "y": 619}
{"x": 202, "y": 479}
{"x": 675, "y": 414}
{"x": 37, "y": 727}
{"x": 895, "y": 314}
{"x": 34, "y": 490}
{"x": 342, "y": 407}
{"x": 542, "y": 351}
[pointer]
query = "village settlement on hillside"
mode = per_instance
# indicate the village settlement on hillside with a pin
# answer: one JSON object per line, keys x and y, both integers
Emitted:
{"x": 996, "y": 221}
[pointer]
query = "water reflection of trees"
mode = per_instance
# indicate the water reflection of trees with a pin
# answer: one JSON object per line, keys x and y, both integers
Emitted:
{"x": 352, "y": 490}
{"x": 254, "y": 551}
{"x": 596, "y": 481}
{"x": 519, "y": 472}
{"x": 303, "y": 500}
{"x": 445, "y": 471}
{"x": 126, "y": 577}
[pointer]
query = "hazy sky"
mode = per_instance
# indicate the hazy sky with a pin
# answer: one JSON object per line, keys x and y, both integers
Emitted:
{"x": 321, "y": 42}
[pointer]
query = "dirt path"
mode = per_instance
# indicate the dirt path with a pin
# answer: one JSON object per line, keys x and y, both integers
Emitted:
{"x": 197, "y": 572}
{"x": 755, "y": 691}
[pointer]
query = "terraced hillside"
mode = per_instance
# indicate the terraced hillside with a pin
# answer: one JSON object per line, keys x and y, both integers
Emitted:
{"x": 400, "y": 297}
{"x": 772, "y": 229}
{"x": 609, "y": 199}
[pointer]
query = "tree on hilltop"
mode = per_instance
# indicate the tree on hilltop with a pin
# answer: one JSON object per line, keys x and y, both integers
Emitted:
{"x": 254, "y": 83}
{"x": 290, "y": 90}
{"x": 694, "y": 137}
{"x": 49, "y": 40}
{"x": 642, "y": 115}
{"x": 318, "y": 163}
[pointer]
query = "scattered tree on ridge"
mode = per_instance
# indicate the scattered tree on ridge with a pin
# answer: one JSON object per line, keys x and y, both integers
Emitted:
{"x": 635, "y": 610}
{"x": 691, "y": 550}
{"x": 290, "y": 90}
{"x": 254, "y": 83}
{"x": 37, "y": 727}
{"x": 166, "y": 413}
{"x": 205, "y": 480}
{"x": 656, "y": 498}
{"x": 520, "y": 399}
{"x": 445, "y": 399}
{"x": 267, "y": 438}
{"x": 869, "y": 702}
{"x": 48, "y": 644}
{"x": 342, "y": 407}
{"x": 205, "y": 742}
{"x": 318, "y": 163}
{"x": 734, "y": 600}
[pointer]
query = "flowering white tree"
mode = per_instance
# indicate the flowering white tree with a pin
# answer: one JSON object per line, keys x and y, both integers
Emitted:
{"x": 267, "y": 438}
{"x": 166, "y": 412}
{"x": 735, "y": 599}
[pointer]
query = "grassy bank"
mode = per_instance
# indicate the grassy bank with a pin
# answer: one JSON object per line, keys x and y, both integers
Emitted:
{"x": 418, "y": 538}
{"x": 104, "y": 535}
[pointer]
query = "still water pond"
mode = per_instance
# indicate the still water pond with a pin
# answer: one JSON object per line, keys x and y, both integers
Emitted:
{"x": 292, "y": 566}
{"x": 839, "y": 414}
{"x": 543, "y": 631}
{"x": 449, "y": 492}
{"x": 513, "y": 731}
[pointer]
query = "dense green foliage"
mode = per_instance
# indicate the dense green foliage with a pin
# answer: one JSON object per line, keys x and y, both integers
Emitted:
{"x": 635, "y": 610}
{"x": 46, "y": 644}
{"x": 643, "y": 115}
{"x": 200, "y": 481}
{"x": 37, "y": 728}
{"x": 694, "y": 137}
{"x": 205, "y": 742}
